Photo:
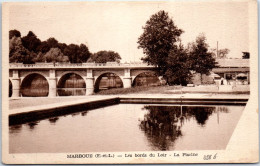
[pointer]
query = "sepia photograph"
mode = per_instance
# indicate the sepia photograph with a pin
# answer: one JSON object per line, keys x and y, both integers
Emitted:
{"x": 102, "y": 82}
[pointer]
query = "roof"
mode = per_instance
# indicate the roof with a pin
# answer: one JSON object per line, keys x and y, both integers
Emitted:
{"x": 233, "y": 62}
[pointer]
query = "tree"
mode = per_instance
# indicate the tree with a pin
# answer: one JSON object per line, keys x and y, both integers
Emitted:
{"x": 53, "y": 55}
{"x": 246, "y": 55}
{"x": 31, "y": 42}
{"x": 72, "y": 51}
{"x": 104, "y": 57}
{"x": 158, "y": 40}
{"x": 18, "y": 53}
{"x": 30, "y": 49}
{"x": 221, "y": 53}
{"x": 52, "y": 42}
{"x": 43, "y": 47}
{"x": 178, "y": 66}
{"x": 77, "y": 54}
{"x": 62, "y": 46}
{"x": 202, "y": 60}
{"x": 84, "y": 53}
{"x": 13, "y": 33}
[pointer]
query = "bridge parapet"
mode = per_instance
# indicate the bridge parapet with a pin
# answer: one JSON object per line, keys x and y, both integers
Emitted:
{"x": 78, "y": 65}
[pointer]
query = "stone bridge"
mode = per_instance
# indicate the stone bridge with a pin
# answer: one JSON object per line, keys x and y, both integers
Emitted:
{"x": 53, "y": 75}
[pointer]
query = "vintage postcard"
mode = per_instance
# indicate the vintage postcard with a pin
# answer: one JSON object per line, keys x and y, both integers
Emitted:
{"x": 130, "y": 82}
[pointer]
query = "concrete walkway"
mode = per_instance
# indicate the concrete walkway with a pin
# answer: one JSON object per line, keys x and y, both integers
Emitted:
{"x": 37, "y": 104}
{"x": 30, "y": 104}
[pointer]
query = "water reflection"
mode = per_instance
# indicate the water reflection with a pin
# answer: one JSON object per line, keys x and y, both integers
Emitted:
{"x": 32, "y": 125}
{"x": 111, "y": 129}
{"x": 53, "y": 120}
{"x": 84, "y": 113}
{"x": 162, "y": 124}
{"x": 15, "y": 129}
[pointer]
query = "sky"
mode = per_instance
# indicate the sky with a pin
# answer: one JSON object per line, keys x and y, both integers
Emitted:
{"x": 117, "y": 26}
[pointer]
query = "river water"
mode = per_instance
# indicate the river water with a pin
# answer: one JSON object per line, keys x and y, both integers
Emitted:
{"x": 129, "y": 127}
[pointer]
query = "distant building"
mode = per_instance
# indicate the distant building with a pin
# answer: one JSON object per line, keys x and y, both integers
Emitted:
{"x": 231, "y": 70}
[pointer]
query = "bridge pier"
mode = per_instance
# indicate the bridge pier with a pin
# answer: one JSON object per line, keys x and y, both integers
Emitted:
{"x": 127, "y": 81}
{"x": 52, "y": 84}
{"x": 16, "y": 81}
{"x": 89, "y": 85}
{"x": 89, "y": 82}
{"x": 52, "y": 87}
{"x": 16, "y": 87}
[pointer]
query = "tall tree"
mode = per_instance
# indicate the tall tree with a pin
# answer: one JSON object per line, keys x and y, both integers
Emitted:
{"x": 104, "y": 57}
{"x": 31, "y": 42}
{"x": 178, "y": 67}
{"x": 62, "y": 47}
{"x": 18, "y": 53}
{"x": 202, "y": 60}
{"x": 43, "y": 47}
{"x": 13, "y": 33}
{"x": 77, "y": 54}
{"x": 53, "y": 55}
{"x": 84, "y": 53}
{"x": 72, "y": 51}
{"x": 52, "y": 42}
{"x": 159, "y": 38}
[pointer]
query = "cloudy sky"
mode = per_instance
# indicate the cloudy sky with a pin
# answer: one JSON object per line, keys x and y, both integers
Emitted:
{"x": 117, "y": 25}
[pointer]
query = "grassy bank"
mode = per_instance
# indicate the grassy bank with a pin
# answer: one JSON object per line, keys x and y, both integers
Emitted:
{"x": 170, "y": 90}
{"x": 139, "y": 90}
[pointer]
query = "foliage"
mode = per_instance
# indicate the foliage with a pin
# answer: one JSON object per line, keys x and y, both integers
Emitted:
{"x": 221, "y": 53}
{"x": 178, "y": 66}
{"x": 52, "y": 42}
{"x": 18, "y": 53}
{"x": 43, "y": 47}
{"x": 30, "y": 49}
{"x": 202, "y": 60}
{"x": 246, "y": 55}
{"x": 31, "y": 42}
{"x": 105, "y": 56}
{"x": 77, "y": 54}
{"x": 158, "y": 39}
{"x": 162, "y": 125}
{"x": 13, "y": 33}
{"x": 159, "y": 44}
{"x": 53, "y": 55}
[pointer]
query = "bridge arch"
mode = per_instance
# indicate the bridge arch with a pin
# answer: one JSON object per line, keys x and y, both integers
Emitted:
{"x": 146, "y": 78}
{"x": 10, "y": 88}
{"x": 71, "y": 84}
{"x": 108, "y": 80}
{"x": 69, "y": 72}
{"x": 34, "y": 72}
{"x": 34, "y": 85}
